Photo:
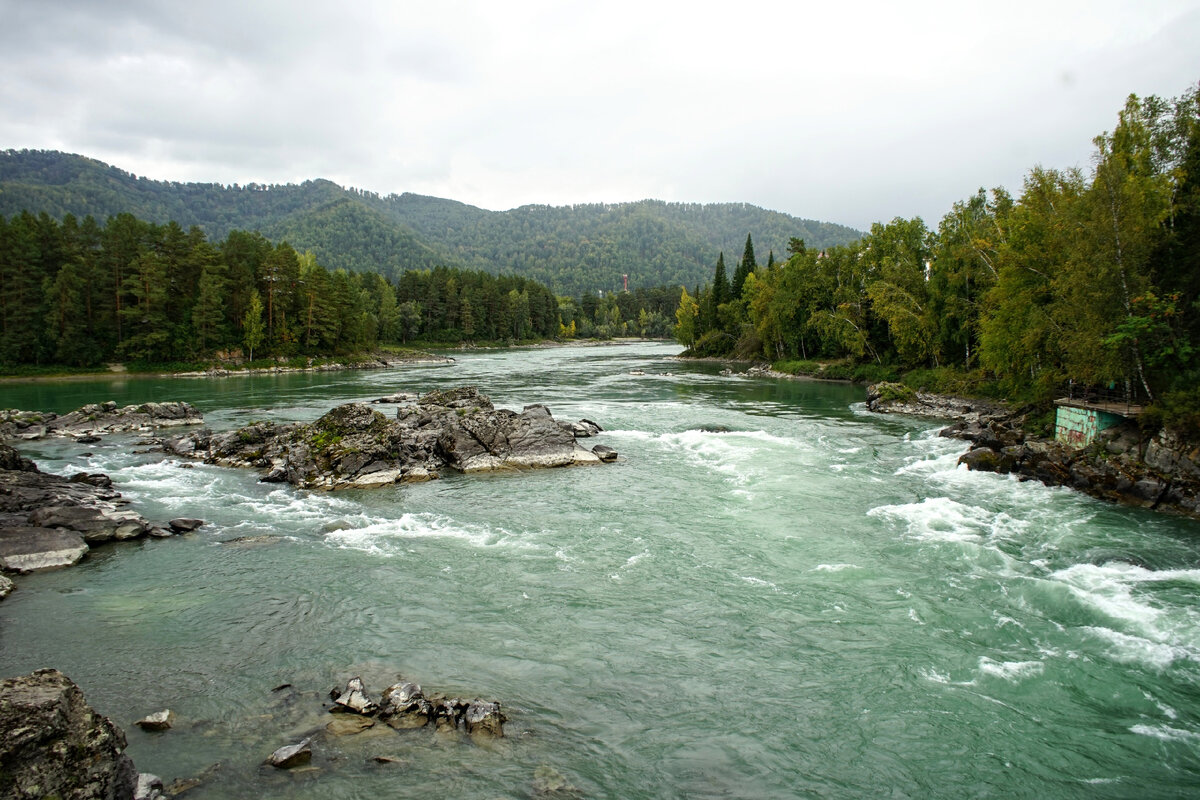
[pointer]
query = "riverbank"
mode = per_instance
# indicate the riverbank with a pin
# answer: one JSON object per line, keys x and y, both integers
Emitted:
{"x": 224, "y": 369}
{"x": 1157, "y": 471}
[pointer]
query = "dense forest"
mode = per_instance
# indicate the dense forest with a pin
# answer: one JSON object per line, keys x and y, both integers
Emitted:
{"x": 573, "y": 249}
{"x": 79, "y": 293}
{"x": 1091, "y": 277}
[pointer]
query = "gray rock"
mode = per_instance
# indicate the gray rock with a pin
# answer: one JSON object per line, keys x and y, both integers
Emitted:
{"x": 354, "y": 445}
{"x": 28, "y": 549}
{"x": 52, "y": 744}
{"x": 7, "y": 587}
{"x": 605, "y": 453}
{"x": 484, "y": 718}
{"x": 95, "y": 419}
{"x": 292, "y": 755}
{"x": 185, "y": 524}
{"x": 354, "y": 698}
{"x": 158, "y": 721}
{"x": 94, "y": 524}
{"x": 149, "y": 787}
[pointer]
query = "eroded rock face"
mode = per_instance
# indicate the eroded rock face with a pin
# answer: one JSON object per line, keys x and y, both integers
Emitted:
{"x": 97, "y": 418}
{"x": 356, "y": 446}
{"x": 52, "y": 744}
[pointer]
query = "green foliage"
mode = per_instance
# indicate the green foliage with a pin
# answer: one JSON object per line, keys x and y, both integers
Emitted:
{"x": 797, "y": 367}
{"x": 1178, "y": 411}
{"x": 895, "y": 392}
{"x": 323, "y": 440}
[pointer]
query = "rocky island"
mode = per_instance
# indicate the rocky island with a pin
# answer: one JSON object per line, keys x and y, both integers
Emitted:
{"x": 355, "y": 445}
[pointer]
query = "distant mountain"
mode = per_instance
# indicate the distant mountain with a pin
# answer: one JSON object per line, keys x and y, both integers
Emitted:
{"x": 573, "y": 249}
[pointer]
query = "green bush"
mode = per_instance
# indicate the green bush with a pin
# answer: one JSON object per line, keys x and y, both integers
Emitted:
{"x": 797, "y": 367}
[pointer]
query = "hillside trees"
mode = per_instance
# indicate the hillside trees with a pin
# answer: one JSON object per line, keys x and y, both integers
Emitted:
{"x": 79, "y": 293}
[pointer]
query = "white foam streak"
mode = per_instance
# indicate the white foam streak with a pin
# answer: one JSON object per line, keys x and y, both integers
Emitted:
{"x": 940, "y": 519}
{"x": 1167, "y": 734}
{"x": 390, "y": 537}
{"x": 1013, "y": 671}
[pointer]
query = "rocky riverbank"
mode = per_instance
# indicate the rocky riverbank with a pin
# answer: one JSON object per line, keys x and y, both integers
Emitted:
{"x": 355, "y": 445}
{"x": 1125, "y": 465}
{"x": 49, "y": 521}
{"x": 96, "y": 419}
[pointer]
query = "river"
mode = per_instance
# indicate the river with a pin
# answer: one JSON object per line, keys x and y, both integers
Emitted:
{"x": 775, "y": 593}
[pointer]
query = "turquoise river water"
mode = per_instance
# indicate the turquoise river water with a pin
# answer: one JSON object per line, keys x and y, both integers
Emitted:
{"x": 815, "y": 602}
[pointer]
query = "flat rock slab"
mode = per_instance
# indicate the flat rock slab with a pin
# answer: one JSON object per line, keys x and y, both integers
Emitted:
{"x": 27, "y": 549}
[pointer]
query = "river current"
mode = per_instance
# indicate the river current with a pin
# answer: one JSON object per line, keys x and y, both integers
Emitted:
{"x": 774, "y": 593}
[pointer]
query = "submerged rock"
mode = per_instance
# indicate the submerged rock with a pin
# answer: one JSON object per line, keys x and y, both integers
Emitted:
{"x": 53, "y": 744}
{"x": 354, "y": 445}
{"x": 292, "y": 755}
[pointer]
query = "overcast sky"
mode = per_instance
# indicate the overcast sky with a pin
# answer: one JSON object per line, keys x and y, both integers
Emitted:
{"x": 845, "y": 111}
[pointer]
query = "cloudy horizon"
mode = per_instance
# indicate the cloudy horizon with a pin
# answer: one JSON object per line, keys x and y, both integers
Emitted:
{"x": 850, "y": 115}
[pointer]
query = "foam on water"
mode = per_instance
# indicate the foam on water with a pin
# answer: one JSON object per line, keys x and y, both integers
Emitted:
{"x": 1013, "y": 671}
{"x": 833, "y": 567}
{"x": 940, "y": 519}
{"x": 1167, "y": 733}
{"x": 1129, "y": 649}
{"x": 391, "y": 537}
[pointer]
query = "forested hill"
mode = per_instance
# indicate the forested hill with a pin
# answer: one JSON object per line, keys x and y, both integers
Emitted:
{"x": 572, "y": 249}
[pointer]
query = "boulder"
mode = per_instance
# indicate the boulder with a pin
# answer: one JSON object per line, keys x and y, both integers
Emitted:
{"x": 605, "y": 453}
{"x": 185, "y": 524}
{"x": 149, "y": 787}
{"x": 483, "y": 717}
{"x": 10, "y": 459}
{"x": 292, "y": 755}
{"x": 28, "y": 549}
{"x": 93, "y": 524}
{"x": 353, "y": 698}
{"x": 52, "y": 744}
{"x": 158, "y": 721}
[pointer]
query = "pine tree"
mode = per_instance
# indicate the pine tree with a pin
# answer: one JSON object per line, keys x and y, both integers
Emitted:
{"x": 746, "y": 267}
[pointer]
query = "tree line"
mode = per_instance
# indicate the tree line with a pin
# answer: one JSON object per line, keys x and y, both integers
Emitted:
{"x": 1092, "y": 277}
{"x": 78, "y": 293}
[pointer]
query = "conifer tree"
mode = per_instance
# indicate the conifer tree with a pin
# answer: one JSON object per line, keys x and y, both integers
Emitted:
{"x": 748, "y": 265}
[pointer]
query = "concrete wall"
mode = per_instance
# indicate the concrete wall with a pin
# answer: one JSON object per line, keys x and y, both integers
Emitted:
{"x": 1078, "y": 426}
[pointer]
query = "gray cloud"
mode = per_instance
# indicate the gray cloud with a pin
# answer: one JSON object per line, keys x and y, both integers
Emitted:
{"x": 857, "y": 114}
